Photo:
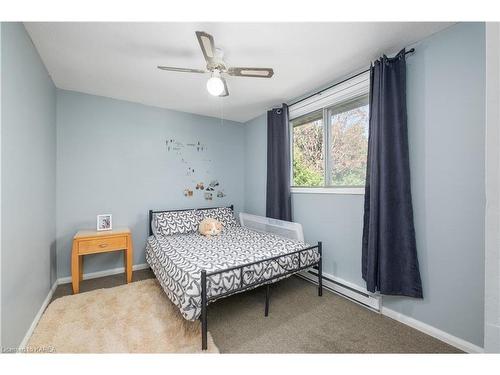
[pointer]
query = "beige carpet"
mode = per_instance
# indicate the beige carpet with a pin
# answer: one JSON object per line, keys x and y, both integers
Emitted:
{"x": 132, "y": 318}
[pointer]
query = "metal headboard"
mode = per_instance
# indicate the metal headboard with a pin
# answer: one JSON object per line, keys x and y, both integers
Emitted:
{"x": 151, "y": 212}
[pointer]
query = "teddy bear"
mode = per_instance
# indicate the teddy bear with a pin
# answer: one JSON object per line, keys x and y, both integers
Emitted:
{"x": 210, "y": 227}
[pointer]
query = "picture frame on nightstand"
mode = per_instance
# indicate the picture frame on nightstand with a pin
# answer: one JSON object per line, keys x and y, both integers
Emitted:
{"x": 104, "y": 222}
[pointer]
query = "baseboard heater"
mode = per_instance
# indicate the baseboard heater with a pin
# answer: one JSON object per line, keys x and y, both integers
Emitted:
{"x": 344, "y": 288}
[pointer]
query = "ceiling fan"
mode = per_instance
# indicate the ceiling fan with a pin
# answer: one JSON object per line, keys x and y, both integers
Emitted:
{"x": 216, "y": 84}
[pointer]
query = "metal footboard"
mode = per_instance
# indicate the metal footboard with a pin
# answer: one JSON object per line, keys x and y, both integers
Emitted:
{"x": 205, "y": 300}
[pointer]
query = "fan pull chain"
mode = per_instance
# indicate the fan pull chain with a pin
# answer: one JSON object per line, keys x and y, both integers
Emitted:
{"x": 221, "y": 111}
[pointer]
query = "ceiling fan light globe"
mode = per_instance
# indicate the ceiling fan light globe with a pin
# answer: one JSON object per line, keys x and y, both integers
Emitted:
{"x": 215, "y": 86}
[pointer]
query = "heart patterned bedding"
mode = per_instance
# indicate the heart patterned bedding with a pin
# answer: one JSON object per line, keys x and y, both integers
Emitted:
{"x": 177, "y": 261}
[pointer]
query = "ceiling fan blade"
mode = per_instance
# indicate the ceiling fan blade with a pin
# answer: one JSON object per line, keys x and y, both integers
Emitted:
{"x": 226, "y": 91}
{"x": 207, "y": 45}
{"x": 251, "y": 72}
{"x": 183, "y": 70}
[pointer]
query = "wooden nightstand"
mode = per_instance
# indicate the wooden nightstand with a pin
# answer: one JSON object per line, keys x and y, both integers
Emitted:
{"x": 92, "y": 242}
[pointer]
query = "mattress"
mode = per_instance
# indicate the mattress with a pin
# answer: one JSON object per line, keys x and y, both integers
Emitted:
{"x": 177, "y": 261}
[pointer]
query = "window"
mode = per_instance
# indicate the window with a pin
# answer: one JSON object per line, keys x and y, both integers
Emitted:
{"x": 348, "y": 146}
{"x": 330, "y": 143}
{"x": 308, "y": 150}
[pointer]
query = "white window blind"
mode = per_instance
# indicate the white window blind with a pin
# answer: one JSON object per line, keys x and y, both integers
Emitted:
{"x": 352, "y": 88}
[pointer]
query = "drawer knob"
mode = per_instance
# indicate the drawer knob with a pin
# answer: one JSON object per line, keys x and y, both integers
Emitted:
{"x": 103, "y": 245}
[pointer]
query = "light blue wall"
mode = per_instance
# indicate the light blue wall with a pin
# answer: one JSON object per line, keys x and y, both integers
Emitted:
{"x": 28, "y": 183}
{"x": 111, "y": 158}
{"x": 446, "y": 124}
{"x": 256, "y": 165}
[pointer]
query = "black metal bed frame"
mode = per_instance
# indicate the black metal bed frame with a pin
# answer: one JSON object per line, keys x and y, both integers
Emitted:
{"x": 205, "y": 300}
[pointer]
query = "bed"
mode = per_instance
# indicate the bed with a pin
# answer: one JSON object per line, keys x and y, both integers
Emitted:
{"x": 195, "y": 270}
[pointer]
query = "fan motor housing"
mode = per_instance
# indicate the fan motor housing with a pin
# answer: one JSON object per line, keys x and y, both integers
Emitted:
{"x": 218, "y": 65}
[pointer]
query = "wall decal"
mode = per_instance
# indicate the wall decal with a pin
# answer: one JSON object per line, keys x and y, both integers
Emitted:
{"x": 173, "y": 145}
{"x": 200, "y": 146}
{"x": 213, "y": 184}
{"x": 197, "y": 165}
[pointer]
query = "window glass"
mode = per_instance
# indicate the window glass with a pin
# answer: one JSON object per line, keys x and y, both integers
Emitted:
{"x": 308, "y": 150}
{"x": 348, "y": 142}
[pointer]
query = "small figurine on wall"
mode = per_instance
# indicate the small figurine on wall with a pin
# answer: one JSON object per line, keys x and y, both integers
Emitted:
{"x": 213, "y": 184}
{"x": 200, "y": 147}
{"x": 188, "y": 193}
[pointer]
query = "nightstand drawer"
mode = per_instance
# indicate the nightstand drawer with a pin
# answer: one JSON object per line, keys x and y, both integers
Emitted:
{"x": 102, "y": 245}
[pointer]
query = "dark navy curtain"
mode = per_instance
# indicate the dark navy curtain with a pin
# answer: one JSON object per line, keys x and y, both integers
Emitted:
{"x": 389, "y": 260}
{"x": 278, "y": 199}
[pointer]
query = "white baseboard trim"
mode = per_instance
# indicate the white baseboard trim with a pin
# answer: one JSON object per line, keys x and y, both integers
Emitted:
{"x": 94, "y": 275}
{"x": 432, "y": 331}
{"x": 66, "y": 280}
{"x": 33, "y": 325}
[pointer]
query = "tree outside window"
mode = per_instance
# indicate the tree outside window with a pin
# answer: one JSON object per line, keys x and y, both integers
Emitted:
{"x": 347, "y": 138}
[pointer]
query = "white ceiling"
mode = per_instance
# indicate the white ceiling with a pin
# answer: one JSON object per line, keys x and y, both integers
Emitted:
{"x": 119, "y": 60}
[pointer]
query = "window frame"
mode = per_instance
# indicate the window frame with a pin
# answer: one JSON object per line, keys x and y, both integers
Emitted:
{"x": 353, "y": 88}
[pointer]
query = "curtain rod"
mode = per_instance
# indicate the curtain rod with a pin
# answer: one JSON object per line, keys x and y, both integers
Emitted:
{"x": 338, "y": 83}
